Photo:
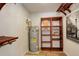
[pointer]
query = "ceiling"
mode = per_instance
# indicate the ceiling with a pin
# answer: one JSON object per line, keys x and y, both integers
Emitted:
{"x": 41, "y": 7}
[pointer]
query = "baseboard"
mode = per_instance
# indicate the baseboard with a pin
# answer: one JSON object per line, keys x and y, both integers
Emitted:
{"x": 25, "y": 53}
{"x": 66, "y": 53}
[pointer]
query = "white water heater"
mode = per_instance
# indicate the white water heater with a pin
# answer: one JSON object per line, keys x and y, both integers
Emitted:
{"x": 34, "y": 39}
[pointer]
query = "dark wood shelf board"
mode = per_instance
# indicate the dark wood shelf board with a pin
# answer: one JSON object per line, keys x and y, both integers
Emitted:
{"x": 45, "y": 48}
{"x": 7, "y": 40}
{"x": 55, "y": 35}
{"x": 56, "y": 26}
{"x": 51, "y": 49}
{"x": 45, "y": 26}
{"x": 57, "y": 49}
{"x": 45, "y": 34}
{"x": 55, "y": 39}
{"x": 46, "y": 41}
{"x": 46, "y": 18}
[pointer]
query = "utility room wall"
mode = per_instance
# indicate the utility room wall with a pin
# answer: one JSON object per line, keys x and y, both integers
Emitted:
{"x": 12, "y": 23}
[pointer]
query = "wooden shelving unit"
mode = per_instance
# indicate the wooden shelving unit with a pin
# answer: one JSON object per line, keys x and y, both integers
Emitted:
{"x": 51, "y": 33}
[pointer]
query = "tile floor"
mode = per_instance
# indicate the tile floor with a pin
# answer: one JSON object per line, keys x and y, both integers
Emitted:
{"x": 47, "y": 53}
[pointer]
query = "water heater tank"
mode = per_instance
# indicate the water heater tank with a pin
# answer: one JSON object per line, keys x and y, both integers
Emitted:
{"x": 34, "y": 38}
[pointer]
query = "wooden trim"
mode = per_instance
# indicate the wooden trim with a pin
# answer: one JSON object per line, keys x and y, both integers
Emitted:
{"x": 63, "y": 12}
{"x": 57, "y": 49}
{"x": 46, "y": 41}
{"x": 41, "y": 31}
{"x": 45, "y": 48}
{"x": 60, "y": 6}
{"x": 55, "y": 35}
{"x": 69, "y": 10}
{"x": 51, "y": 49}
{"x": 61, "y": 41}
{"x": 63, "y": 7}
{"x": 45, "y": 34}
{"x": 51, "y": 31}
{"x": 44, "y": 26}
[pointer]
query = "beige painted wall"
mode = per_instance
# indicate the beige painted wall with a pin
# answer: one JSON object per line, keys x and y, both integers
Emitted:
{"x": 70, "y": 47}
{"x": 12, "y": 23}
{"x": 36, "y": 19}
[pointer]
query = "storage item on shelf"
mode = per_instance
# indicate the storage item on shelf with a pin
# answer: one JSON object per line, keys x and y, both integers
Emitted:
{"x": 56, "y": 44}
{"x": 46, "y": 30}
{"x": 55, "y": 23}
{"x": 46, "y": 45}
{"x": 55, "y": 37}
{"x": 46, "y": 38}
{"x": 56, "y": 30}
{"x": 46, "y": 23}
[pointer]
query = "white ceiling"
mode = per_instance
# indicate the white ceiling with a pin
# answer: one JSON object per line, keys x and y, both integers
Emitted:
{"x": 41, "y": 7}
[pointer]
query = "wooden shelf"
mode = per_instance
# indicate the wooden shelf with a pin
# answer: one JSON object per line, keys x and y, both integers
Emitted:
{"x": 51, "y": 33}
{"x": 55, "y": 35}
{"x": 45, "y": 26}
{"x": 7, "y": 40}
{"x": 55, "y": 39}
{"x": 46, "y": 41}
{"x": 56, "y": 26}
{"x": 45, "y": 34}
{"x": 45, "y": 48}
